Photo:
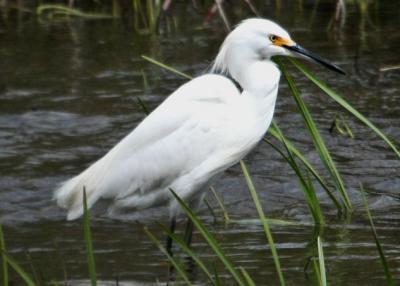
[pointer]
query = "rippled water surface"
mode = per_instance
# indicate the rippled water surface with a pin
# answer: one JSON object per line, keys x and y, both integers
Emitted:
{"x": 68, "y": 92}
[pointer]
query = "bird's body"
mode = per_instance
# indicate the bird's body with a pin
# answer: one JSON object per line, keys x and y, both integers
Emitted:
{"x": 200, "y": 130}
{"x": 203, "y": 128}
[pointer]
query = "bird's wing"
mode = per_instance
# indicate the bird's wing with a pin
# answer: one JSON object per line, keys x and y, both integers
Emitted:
{"x": 177, "y": 137}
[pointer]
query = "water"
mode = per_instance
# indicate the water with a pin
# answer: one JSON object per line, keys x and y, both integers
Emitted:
{"x": 68, "y": 92}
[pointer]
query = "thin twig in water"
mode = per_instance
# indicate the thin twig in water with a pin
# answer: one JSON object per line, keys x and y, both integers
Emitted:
{"x": 252, "y": 8}
{"x": 389, "y": 68}
{"x": 223, "y": 15}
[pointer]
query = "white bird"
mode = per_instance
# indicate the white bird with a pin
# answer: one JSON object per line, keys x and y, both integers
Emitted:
{"x": 203, "y": 128}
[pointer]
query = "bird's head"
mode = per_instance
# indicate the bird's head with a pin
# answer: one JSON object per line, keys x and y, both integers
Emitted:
{"x": 257, "y": 40}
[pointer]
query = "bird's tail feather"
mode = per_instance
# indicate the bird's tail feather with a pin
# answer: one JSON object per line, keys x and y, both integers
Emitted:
{"x": 70, "y": 196}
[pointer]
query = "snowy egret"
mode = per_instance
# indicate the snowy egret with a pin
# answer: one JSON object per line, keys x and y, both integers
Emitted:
{"x": 203, "y": 128}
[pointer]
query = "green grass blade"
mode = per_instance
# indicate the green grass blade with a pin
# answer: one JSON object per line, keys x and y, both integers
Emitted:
{"x": 145, "y": 81}
{"x": 388, "y": 274}
{"x": 143, "y": 105}
{"x": 217, "y": 279}
{"x": 317, "y": 139}
{"x": 261, "y": 214}
{"x": 321, "y": 260}
{"x": 317, "y": 271}
{"x": 88, "y": 241}
{"x": 18, "y": 269}
{"x": 221, "y": 205}
{"x": 171, "y": 259}
{"x": 189, "y": 252}
{"x": 344, "y": 104}
{"x": 247, "y": 277}
{"x": 3, "y": 257}
{"x": 307, "y": 164}
{"x": 209, "y": 207}
{"x": 311, "y": 198}
{"x": 164, "y": 66}
{"x": 305, "y": 184}
{"x": 210, "y": 240}
{"x": 35, "y": 276}
{"x": 347, "y": 128}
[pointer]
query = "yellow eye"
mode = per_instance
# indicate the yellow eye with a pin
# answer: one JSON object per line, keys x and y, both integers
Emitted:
{"x": 273, "y": 38}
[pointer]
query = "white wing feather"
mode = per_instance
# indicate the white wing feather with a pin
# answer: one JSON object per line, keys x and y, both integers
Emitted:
{"x": 181, "y": 145}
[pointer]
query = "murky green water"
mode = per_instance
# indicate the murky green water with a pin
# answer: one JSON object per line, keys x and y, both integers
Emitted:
{"x": 68, "y": 92}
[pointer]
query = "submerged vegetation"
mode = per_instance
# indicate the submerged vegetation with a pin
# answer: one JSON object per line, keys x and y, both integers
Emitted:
{"x": 146, "y": 17}
{"x": 152, "y": 16}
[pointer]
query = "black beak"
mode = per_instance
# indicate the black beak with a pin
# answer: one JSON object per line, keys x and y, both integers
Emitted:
{"x": 305, "y": 53}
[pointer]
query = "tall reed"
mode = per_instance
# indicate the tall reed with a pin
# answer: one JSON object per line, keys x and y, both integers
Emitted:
{"x": 89, "y": 242}
{"x": 336, "y": 97}
{"x": 296, "y": 153}
{"x": 3, "y": 257}
{"x": 171, "y": 259}
{"x": 306, "y": 184}
{"x": 264, "y": 222}
{"x": 319, "y": 143}
{"x": 321, "y": 260}
{"x": 212, "y": 242}
{"x": 385, "y": 265}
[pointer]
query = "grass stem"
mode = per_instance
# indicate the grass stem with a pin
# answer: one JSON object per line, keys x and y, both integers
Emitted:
{"x": 321, "y": 260}
{"x": 171, "y": 259}
{"x": 344, "y": 104}
{"x": 386, "y": 269}
{"x": 3, "y": 257}
{"x": 212, "y": 242}
{"x": 317, "y": 138}
{"x": 264, "y": 222}
{"x": 88, "y": 242}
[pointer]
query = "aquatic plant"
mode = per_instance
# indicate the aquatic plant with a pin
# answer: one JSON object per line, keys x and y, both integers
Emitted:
{"x": 88, "y": 241}
{"x": 385, "y": 265}
{"x": 264, "y": 221}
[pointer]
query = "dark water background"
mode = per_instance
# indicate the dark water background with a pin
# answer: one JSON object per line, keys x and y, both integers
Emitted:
{"x": 68, "y": 92}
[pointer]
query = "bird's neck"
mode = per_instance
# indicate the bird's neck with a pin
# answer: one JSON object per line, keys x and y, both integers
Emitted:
{"x": 260, "y": 82}
{"x": 259, "y": 79}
